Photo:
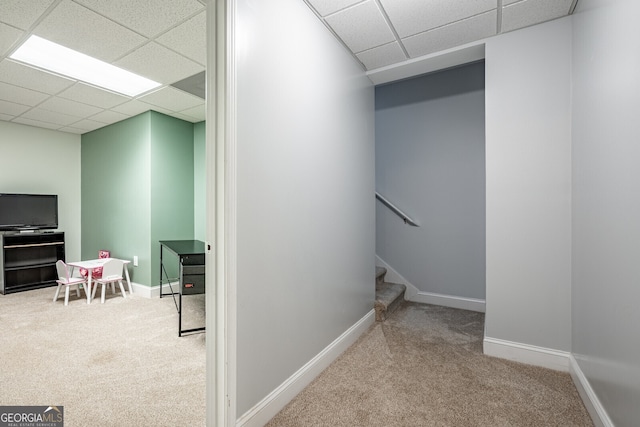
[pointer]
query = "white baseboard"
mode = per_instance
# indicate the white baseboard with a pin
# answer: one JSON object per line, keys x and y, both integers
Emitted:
{"x": 529, "y": 354}
{"x": 415, "y": 295}
{"x": 152, "y": 291}
{"x": 273, "y": 403}
{"x": 598, "y": 414}
{"x": 470, "y": 304}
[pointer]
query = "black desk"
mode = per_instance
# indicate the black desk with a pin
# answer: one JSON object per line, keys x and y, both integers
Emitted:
{"x": 191, "y": 276}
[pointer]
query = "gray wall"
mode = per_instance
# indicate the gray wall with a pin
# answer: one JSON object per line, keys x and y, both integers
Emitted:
{"x": 305, "y": 185}
{"x": 36, "y": 160}
{"x": 528, "y": 153}
{"x": 430, "y": 162}
{"x": 606, "y": 203}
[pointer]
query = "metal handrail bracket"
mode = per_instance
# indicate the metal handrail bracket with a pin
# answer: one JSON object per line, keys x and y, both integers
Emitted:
{"x": 406, "y": 218}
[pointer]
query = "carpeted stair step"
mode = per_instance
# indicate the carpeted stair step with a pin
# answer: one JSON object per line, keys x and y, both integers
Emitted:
{"x": 389, "y": 296}
{"x": 380, "y": 273}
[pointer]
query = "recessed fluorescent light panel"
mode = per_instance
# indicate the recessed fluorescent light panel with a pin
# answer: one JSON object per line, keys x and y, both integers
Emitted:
{"x": 52, "y": 57}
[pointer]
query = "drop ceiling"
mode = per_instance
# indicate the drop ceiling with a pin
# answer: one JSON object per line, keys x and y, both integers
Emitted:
{"x": 165, "y": 40}
{"x": 381, "y": 33}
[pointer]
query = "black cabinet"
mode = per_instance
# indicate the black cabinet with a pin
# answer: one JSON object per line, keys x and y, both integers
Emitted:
{"x": 190, "y": 253}
{"x": 28, "y": 260}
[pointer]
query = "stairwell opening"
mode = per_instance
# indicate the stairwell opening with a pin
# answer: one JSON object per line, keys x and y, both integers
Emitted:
{"x": 430, "y": 162}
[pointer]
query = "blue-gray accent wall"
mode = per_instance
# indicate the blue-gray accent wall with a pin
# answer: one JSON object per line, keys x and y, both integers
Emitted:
{"x": 430, "y": 162}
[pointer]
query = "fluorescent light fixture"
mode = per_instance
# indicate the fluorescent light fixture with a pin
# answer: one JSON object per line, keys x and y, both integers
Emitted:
{"x": 58, "y": 59}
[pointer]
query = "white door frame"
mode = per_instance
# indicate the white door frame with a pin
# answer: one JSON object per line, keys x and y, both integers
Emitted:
{"x": 221, "y": 215}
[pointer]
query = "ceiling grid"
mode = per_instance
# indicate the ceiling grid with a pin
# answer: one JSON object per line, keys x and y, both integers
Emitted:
{"x": 423, "y": 27}
{"x": 120, "y": 32}
{"x": 167, "y": 43}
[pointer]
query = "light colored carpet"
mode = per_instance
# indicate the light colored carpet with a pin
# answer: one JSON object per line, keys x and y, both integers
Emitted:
{"x": 424, "y": 367}
{"x": 120, "y": 363}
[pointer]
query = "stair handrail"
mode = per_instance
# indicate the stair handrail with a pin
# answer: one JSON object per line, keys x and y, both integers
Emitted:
{"x": 406, "y": 218}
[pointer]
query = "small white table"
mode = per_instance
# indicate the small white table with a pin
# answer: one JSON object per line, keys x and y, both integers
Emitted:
{"x": 91, "y": 264}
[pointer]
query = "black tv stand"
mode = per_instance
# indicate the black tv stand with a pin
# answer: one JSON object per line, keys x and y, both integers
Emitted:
{"x": 28, "y": 260}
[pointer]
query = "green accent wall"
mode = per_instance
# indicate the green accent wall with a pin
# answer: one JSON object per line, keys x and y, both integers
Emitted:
{"x": 137, "y": 185}
{"x": 171, "y": 186}
{"x": 115, "y": 187}
{"x": 199, "y": 180}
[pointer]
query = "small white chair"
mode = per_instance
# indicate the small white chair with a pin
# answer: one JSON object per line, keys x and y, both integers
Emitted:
{"x": 111, "y": 273}
{"x": 65, "y": 279}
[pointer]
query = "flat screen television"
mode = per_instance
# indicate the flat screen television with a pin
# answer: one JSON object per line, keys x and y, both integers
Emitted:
{"x": 28, "y": 211}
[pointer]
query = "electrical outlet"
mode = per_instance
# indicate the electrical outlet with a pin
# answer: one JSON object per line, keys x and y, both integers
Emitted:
{"x": 135, "y": 260}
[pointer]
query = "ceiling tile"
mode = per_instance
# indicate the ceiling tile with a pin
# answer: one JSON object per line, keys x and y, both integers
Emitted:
{"x": 31, "y": 78}
{"x": 132, "y": 108}
{"x": 21, "y": 13}
{"x": 159, "y": 63}
{"x": 372, "y": 29}
{"x": 11, "y": 108}
{"x": 136, "y": 107}
{"x": 327, "y": 7}
{"x": 146, "y": 17}
{"x": 161, "y": 110}
{"x": 36, "y": 123}
{"x": 459, "y": 33}
{"x": 67, "y": 106}
{"x": 86, "y": 125}
{"x": 108, "y": 117}
{"x": 69, "y": 129}
{"x": 93, "y": 96}
{"x": 8, "y": 36}
{"x": 78, "y": 28}
{"x": 381, "y": 56}
{"x": 21, "y": 95}
{"x": 172, "y": 99}
{"x": 530, "y": 12}
{"x": 199, "y": 113}
{"x": 186, "y": 117}
{"x": 190, "y": 38}
{"x": 48, "y": 116}
{"x": 411, "y": 17}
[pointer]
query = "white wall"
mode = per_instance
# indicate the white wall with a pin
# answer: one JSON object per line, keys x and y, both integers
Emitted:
{"x": 528, "y": 154}
{"x": 36, "y": 160}
{"x": 430, "y": 162}
{"x": 606, "y": 203}
{"x": 305, "y": 193}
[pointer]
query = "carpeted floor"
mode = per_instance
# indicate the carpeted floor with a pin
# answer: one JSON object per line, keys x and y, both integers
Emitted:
{"x": 424, "y": 367}
{"x": 115, "y": 364}
{"x": 122, "y": 364}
